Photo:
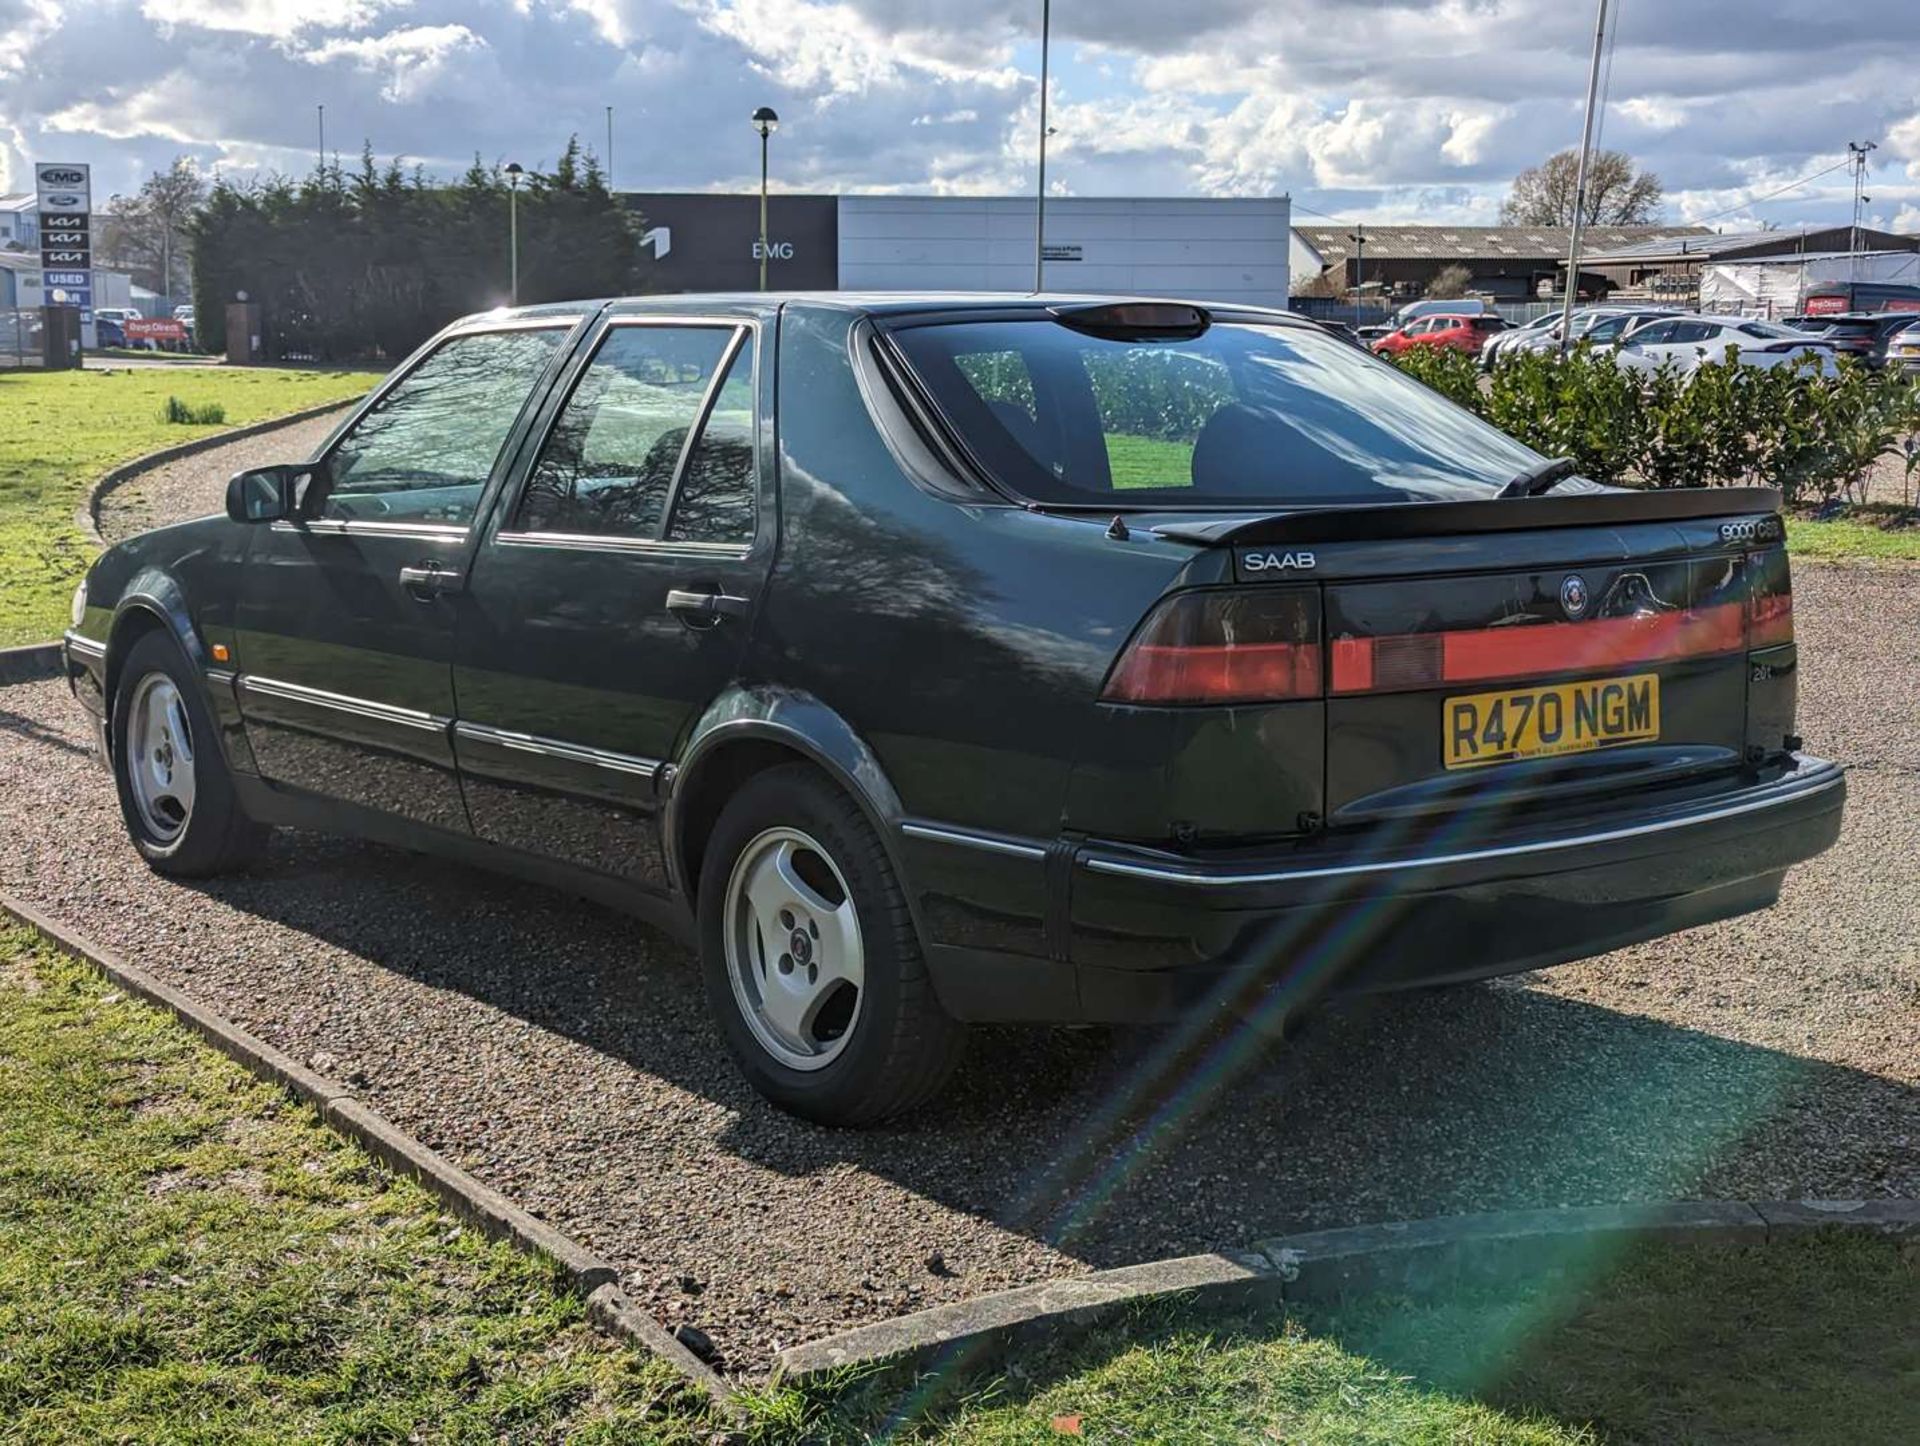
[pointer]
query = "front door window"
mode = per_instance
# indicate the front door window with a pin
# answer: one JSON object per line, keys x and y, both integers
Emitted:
{"x": 424, "y": 451}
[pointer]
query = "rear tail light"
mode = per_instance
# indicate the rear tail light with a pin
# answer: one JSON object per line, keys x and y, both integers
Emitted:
{"x": 1769, "y": 600}
{"x": 1264, "y": 645}
{"x": 1223, "y": 647}
{"x": 1408, "y": 662}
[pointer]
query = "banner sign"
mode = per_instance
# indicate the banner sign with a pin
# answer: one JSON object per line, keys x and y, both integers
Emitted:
{"x": 148, "y": 328}
{"x": 64, "y": 193}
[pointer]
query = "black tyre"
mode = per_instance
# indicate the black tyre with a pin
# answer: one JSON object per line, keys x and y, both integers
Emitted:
{"x": 812, "y": 966}
{"x": 175, "y": 792}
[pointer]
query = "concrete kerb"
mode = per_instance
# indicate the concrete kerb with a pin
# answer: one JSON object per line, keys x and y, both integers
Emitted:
{"x": 30, "y": 664}
{"x": 87, "y": 518}
{"x": 483, "y": 1206}
{"x": 1411, "y": 1258}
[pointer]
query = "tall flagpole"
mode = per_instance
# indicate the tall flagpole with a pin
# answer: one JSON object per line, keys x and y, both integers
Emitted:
{"x": 1040, "y": 198}
{"x": 1580, "y": 181}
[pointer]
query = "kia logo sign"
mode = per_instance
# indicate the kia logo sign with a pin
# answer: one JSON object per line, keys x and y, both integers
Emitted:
{"x": 62, "y": 176}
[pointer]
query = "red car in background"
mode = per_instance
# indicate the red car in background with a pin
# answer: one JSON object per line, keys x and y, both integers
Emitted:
{"x": 1462, "y": 333}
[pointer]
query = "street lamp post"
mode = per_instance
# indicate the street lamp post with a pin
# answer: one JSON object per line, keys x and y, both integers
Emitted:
{"x": 1040, "y": 190}
{"x": 766, "y": 122}
{"x": 514, "y": 173}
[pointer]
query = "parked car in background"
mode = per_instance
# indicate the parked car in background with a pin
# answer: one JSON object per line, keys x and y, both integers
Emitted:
{"x": 1903, "y": 349}
{"x": 1456, "y": 333}
{"x": 107, "y": 331}
{"x": 985, "y": 694}
{"x": 1602, "y": 325}
{"x": 1688, "y": 340}
{"x": 1373, "y": 331}
{"x": 1497, "y": 344}
{"x": 1863, "y": 336}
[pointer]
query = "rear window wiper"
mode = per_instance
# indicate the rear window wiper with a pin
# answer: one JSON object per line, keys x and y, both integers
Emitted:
{"x": 1541, "y": 477}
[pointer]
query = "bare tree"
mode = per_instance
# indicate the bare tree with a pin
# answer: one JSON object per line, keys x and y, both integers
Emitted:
{"x": 1450, "y": 282}
{"x": 1617, "y": 193}
{"x": 147, "y": 231}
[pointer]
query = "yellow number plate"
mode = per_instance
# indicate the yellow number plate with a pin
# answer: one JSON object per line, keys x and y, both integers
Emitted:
{"x": 1482, "y": 728}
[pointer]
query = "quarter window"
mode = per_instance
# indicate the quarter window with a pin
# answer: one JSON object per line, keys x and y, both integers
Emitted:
{"x": 716, "y": 498}
{"x": 607, "y": 469}
{"x": 425, "y": 450}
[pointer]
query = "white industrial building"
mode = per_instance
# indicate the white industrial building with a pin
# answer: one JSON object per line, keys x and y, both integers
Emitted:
{"x": 1229, "y": 250}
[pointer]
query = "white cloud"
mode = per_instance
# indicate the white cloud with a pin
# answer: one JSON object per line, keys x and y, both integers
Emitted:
{"x": 274, "y": 18}
{"x": 410, "y": 61}
{"x": 1365, "y": 109}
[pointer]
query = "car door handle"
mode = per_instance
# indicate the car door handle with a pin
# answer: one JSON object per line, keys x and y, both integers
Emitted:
{"x": 428, "y": 580}
{"x": 710, "y": 607}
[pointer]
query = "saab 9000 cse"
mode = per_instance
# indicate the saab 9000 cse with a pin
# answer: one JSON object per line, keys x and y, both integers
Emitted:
{"x": 928, "y": 660}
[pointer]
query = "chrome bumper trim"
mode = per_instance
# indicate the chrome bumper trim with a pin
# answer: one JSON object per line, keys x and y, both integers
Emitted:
{"x": 1820, "y": 775}
{"x": 84, "y": 647}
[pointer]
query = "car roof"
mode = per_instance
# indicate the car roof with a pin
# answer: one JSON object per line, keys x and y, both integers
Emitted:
{"x": 875, "y": 303}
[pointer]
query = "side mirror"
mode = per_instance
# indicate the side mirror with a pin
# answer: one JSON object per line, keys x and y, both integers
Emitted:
{"x": 266, "y": 494}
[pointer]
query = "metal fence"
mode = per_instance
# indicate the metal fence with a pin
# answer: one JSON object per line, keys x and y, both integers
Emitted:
{"x": 21, "y": 339}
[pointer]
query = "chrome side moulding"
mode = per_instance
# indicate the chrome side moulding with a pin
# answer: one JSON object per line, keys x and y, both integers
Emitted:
{"x": 358, "y": 527}
{"x": 968, "y": 838}
{"x": 553, "y": 748}
{"x": 1820, "y": 776}
{"x": 590, "y": 542}
{"x": 340, "y": 703}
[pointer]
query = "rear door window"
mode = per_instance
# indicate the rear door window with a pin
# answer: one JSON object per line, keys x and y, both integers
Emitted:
{"x": 1241, "y": 411}
{"x": 609, "y": 466}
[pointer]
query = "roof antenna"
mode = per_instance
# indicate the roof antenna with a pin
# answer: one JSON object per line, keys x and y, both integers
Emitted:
{"x": 1117, "y": 529}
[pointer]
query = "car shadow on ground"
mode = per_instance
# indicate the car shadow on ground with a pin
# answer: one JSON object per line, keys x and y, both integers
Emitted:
{"x": 1120, "y": 1145}
{"x": 35, "y": 732}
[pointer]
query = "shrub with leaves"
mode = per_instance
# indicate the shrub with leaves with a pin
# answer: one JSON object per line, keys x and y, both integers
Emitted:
{"x": 1815, "y": 436}
{"x": 186, "y": 414}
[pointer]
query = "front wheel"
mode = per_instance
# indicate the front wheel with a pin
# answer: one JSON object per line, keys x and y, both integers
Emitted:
{"x": 813, "y": 969}
{"x": 175, "y": 792}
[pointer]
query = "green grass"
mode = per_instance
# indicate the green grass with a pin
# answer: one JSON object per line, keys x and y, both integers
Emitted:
{"x": 188, "y": 1255}
{"x": 1846, "y": 538}
{"x": 1806, "y": 1342}
{"x": 60, "y": 431}
{"x": 1148, "y": 461}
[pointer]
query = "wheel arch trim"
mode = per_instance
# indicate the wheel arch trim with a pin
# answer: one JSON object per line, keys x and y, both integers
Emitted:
{"x": 797, "y": 721}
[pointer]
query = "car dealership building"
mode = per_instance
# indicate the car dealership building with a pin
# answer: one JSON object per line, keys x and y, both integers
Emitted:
{"x": 1231, "y": 249}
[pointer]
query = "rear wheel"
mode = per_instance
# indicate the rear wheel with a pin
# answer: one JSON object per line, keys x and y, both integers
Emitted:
{"x": 813, "y": 969}
{"x": 175, "y": 792}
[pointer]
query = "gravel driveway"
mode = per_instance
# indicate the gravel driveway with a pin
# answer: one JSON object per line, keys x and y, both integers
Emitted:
{"x": 562, "y": 1052}
{"x": 197, "y": 485}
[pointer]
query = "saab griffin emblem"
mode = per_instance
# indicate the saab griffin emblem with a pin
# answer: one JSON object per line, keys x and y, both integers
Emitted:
{"x": 1573, "y": 594}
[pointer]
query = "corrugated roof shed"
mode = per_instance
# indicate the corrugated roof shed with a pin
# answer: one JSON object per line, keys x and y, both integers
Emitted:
{"x": 1481, "y": 243}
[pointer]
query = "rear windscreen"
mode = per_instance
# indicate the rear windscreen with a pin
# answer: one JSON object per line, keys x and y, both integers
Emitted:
{"x": 1240, "y": 413}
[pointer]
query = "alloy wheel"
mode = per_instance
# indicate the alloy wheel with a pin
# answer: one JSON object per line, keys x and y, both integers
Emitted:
{"x": 159, "y": 759}
{"x": 793, "y": 948}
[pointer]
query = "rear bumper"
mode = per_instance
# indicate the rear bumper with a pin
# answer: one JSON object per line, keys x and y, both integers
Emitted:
{"x": 1155, "y": 935}
{"x": 1101, "y": 932}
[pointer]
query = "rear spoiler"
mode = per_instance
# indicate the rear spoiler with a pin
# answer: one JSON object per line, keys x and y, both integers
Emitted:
{"x": 1379, "y": 522}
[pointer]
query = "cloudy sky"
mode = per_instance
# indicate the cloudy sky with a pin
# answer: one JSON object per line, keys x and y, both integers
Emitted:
{"x": 1370, "y": 109}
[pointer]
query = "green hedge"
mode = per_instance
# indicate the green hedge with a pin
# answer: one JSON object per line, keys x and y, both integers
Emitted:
{"x": 1813, "y": 436}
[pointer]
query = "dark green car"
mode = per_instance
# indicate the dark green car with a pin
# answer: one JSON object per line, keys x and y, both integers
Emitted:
{"x": 935, "y": 660}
